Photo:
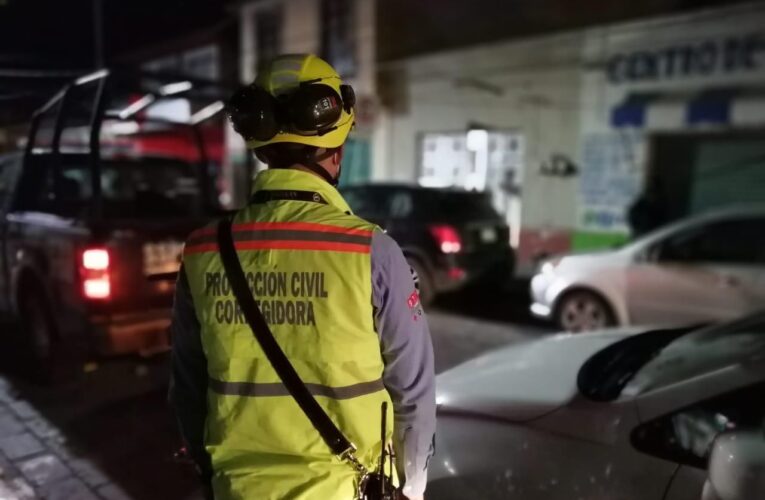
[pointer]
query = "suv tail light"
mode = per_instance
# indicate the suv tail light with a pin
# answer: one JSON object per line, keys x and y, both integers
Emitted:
{"x": 94, "y": 270}
{"x": 447, "y": 237}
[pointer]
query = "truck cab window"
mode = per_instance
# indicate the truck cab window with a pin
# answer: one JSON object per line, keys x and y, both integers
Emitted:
{"x": 130, "y": 188}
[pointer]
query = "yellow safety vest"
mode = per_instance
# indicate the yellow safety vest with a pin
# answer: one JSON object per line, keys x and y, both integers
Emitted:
{"x": 308, "y": 265}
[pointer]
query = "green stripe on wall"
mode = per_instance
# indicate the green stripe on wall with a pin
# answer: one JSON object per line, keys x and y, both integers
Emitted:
{"x": 586, "y": 240}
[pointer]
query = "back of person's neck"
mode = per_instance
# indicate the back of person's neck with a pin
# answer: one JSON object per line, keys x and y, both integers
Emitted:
{"x": 303, "y": 168}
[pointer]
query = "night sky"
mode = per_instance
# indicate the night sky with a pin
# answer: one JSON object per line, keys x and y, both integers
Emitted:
{"x": 56, "y": 34}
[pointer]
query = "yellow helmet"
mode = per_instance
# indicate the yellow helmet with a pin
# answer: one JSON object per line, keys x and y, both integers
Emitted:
{"x": 296, "y": 98}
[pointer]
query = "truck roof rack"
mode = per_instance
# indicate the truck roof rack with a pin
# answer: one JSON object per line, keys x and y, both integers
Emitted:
{"x": 121, "y": 95}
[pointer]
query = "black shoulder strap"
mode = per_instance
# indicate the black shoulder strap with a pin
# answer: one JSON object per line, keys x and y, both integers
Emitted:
{"x": 333, "y": 436}
{"x": 264, "y": 196}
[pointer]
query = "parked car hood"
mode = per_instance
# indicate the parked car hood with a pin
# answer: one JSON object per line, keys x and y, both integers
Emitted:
{"x": 606, "y": 258}
{"x": 522, "y": 382}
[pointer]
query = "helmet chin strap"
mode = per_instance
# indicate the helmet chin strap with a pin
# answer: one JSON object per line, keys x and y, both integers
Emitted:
{"x": 311, "y": 162}
{"x": 317, "y": 169}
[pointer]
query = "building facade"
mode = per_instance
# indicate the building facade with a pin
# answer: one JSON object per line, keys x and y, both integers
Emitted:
{"x": 566, "y": 131}
{"x": 569, "y": 130}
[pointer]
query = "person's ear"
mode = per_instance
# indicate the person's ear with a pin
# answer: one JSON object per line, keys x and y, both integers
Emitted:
{"x": 337, "y": 157}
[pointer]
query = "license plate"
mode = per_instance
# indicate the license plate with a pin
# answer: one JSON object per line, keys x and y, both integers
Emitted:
{"x": 488, "y": 235}
{"x": 162, "y": 257}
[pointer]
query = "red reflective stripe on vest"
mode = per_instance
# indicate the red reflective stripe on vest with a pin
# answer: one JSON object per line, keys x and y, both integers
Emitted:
{"x": 283, "y": 245}
{"x": 292, "y": 226}
{"x": 300, "y": 226}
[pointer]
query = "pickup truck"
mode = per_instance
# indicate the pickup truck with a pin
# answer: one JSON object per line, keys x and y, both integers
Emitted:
{"x": 90, "y": 243}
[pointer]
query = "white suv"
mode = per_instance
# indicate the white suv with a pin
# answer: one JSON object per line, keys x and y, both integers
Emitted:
{"x": 706, "y": 268}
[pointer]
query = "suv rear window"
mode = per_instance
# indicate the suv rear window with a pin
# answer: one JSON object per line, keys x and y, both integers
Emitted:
{"x": 424, "y": 203}
{"x": 368, "y": 203}
{"x": 131, "y": 188}
{"x": 455, "y": 205}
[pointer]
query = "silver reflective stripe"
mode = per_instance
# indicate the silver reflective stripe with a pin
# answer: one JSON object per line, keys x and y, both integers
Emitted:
{"x": 261, "y": 390}
{"x": 286, "y": 78}
{"x": 288, "y": 64}
{"x": 287, "y": 235}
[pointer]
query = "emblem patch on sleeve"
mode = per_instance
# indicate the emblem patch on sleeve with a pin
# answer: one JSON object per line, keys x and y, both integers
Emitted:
{"x": 414, "y": 305}
{"x": 413, "y": 300}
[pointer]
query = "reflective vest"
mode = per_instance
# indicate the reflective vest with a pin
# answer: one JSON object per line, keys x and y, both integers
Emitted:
{"x": 308, "y": 265}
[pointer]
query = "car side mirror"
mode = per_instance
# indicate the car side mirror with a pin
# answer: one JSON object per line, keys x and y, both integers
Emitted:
{"x": 737, "y": 467}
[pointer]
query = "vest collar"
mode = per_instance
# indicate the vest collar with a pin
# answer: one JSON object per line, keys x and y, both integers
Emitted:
{"x": 288, "y": 178}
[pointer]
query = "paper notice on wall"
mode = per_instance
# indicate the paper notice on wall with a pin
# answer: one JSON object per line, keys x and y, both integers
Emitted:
{"x": 611, "y": 178}
{"x": 493, "y": 163}
{"x": 445, "y": 159}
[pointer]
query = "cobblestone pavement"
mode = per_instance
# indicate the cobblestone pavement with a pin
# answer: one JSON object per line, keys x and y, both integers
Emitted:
{"x": 35, "y": 461}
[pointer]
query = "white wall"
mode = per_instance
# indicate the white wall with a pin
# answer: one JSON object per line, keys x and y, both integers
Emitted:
{"x": 301, "y": 32}
{"x": 534, "y": 89}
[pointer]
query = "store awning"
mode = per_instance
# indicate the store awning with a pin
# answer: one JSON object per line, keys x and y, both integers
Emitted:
{"x": 677, "y": 111}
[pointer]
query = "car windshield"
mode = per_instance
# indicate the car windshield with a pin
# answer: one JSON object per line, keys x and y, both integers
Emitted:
{"x": 704, "y": 351}
{"x": 658, "y": 358}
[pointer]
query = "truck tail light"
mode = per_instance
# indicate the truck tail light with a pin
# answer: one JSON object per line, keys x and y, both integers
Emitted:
{"x": 447, "y": 237}
{"x": 94, "y": 270}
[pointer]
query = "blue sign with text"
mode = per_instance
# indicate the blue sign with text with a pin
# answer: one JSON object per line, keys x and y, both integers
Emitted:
{"x": 708, "y": 57}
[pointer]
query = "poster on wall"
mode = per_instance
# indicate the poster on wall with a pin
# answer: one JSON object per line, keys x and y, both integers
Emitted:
{"x": 611, "y": 179}
{"x": 444, "y": 159}
{"x": 494, "y": 162}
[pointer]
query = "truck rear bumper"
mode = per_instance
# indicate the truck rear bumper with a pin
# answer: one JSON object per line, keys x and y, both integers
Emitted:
{"x": 145, "y": 333}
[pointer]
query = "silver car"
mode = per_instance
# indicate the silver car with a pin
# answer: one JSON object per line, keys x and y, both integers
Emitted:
{"x": 706, "y": 268}
{"x": 614, "y": 415}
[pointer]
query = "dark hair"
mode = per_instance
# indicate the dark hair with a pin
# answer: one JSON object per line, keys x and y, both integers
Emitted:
{"x": 286, "y": 154}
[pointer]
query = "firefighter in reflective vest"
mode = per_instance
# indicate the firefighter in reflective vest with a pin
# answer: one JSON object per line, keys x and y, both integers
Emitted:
{"x": 337, "y": 293}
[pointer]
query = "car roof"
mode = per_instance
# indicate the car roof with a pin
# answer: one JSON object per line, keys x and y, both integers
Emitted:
{"x": 734, "y": 211}
{"x": 408, "y": 186}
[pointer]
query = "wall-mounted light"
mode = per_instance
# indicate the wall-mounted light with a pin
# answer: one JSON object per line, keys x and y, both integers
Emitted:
{"x": 558, "y": 165}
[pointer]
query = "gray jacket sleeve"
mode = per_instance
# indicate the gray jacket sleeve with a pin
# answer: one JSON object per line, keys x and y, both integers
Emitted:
{"x": 188, "y": 382}
{"x": 408, "y": 355}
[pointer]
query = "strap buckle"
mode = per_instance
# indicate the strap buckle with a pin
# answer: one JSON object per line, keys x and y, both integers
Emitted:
{"x": 349, "y": 455}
